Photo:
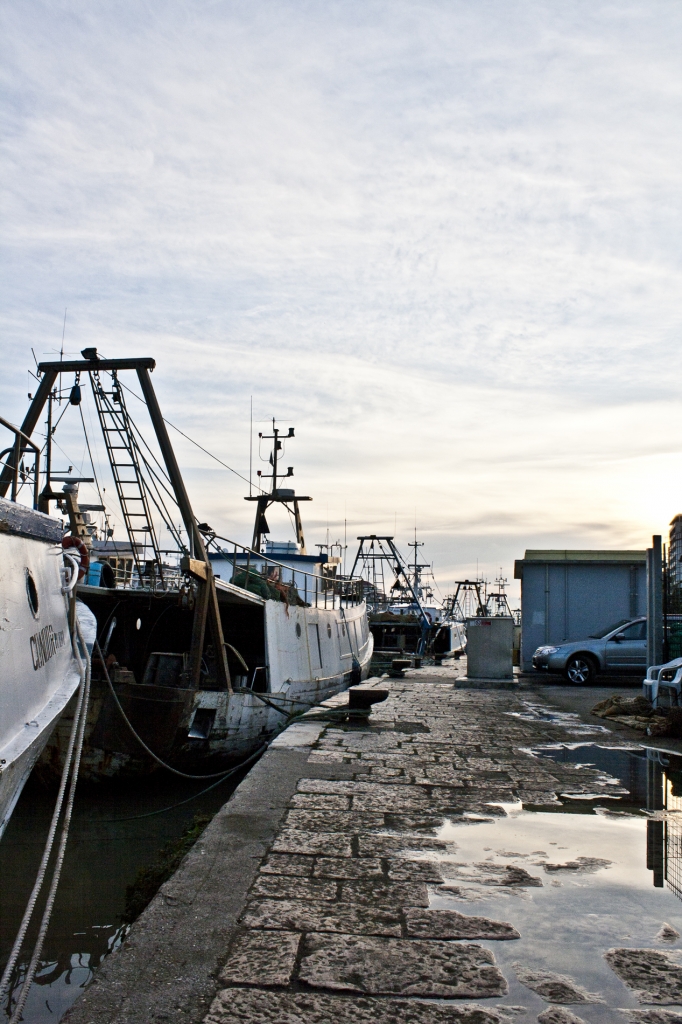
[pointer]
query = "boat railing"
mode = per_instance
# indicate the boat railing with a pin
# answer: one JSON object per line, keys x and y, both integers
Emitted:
{"x": 291, "y": 584}
{"x": 12, "y": 459}
{"x": 255, "y": 575}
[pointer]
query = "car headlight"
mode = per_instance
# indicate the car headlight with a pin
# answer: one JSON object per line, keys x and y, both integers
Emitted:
{"x": 547, "y": 650}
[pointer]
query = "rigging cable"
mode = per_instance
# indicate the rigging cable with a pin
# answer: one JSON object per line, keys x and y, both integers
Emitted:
{"x": 94, "y": 471}
{"x": 196, "y": 443}
{"x": 195, "y": 796}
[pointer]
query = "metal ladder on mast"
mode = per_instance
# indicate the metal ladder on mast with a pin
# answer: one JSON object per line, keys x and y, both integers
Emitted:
{"x": 123, "y": 454}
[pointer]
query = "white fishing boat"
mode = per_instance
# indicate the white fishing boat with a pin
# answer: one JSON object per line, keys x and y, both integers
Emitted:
{"x": 38, "y": 671}
{"x": 205, "y": 652}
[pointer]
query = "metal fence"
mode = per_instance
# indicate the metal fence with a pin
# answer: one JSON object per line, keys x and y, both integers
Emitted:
{"x": 672, "y": 606}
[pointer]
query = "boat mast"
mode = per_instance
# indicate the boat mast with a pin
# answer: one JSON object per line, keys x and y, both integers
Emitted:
{"x": 196, "y": 564}
{"x": 277, "y": 494}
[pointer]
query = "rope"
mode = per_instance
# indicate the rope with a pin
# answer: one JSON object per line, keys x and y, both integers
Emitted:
{"x": 92, "y": 462}
{"x": 71, "y": 766}
{"x": 149, "y": 814}
{"x": 196, "y": 443}
{"x": 175, "y": 771}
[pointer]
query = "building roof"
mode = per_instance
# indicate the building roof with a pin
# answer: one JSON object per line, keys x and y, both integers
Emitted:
{"x": 577, "y": 557}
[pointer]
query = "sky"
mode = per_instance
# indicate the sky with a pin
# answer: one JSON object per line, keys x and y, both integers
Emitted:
{"x": 440, "y": 239}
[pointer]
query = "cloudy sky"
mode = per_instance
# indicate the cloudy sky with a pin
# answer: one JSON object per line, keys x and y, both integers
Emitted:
{"x": 441, "y": 239}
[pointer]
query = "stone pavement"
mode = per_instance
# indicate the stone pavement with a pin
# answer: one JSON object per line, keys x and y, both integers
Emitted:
{"x": 337, "y": 925}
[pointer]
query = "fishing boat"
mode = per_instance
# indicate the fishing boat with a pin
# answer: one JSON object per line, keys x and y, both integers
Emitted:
{"x": 405, "y": 616}
{"x": 39, "y": 673}
{"x": 205, "y": 649}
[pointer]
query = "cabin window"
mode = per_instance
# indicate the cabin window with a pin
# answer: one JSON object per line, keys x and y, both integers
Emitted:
{"x": 329, "y": 630}
{"x": 298, "y": 629}
{"x": 32, "y": 593}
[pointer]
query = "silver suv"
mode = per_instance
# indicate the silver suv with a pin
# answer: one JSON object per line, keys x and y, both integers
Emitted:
{"x": 619, "y": 649}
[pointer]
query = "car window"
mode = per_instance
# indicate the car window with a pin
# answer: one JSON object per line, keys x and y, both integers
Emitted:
{"x": 637, "y": 631}
{"x": 609, "y": 629}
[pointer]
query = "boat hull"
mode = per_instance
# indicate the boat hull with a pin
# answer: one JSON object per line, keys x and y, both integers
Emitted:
{"x": 308, "y": 655}
{"x": 38, "y": 673}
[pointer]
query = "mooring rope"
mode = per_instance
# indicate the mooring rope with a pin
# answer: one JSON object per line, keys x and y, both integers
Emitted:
{"x": 71, "y": 766}
{"x": 168, "y": 767}
{"x": 195, "y": 796}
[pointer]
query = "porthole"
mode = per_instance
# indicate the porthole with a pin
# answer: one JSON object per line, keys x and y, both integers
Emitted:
{"x": 329, "y": 630}
{"x": 32, "y": 593}
{"x": 138, "y": 624}
{"x": 298, "y": 629}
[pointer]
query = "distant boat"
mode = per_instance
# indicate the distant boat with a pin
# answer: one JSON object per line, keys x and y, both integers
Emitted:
{"x": 404, "y": 614}
{"x": 207, "y": 649}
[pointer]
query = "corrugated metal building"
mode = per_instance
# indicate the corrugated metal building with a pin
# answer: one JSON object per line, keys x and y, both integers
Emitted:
{"x": 566, "y": 595}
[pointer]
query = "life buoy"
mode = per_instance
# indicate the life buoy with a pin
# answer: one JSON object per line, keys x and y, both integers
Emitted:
{"x": 76, "y": 542}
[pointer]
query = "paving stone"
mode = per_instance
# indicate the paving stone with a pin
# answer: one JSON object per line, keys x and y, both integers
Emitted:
{"x": 288, "y": 864}
{"x": 448, "y": 924}
{"x": 321, "y": 801}
{"x": 348, "y": 867}
{"x": 325, "y": 756}
{"x": 581, "y": 865}
{"x": 385, "y": 894}
{"x": 420, "y": 823}
{"x": 505, "y": 875}
{"x": 298, "y": 841}
{"x": 396, "y": 846}
{"x": 555, "y": 988}
{"x": 261, "y": 958}
{"x": 374, "y": 966}
{"x": 290, "y": 887}
{"x": 653, "y": 975}
{"x": 559, "y": 1015}
{"x": 400, "y": 870}
{"x": 385, "y": 798}
{"x": 251, "y": 1006}
{"x": 334, "y": 821}
{"x": 653, "y": 1016}
{"x": 321, "y": 917}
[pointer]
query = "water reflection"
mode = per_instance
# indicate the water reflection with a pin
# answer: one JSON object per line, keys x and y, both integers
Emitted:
{"x": 653, "y": 779}
{"x": 102, "y": 858}
{"x": 664, "y": 831}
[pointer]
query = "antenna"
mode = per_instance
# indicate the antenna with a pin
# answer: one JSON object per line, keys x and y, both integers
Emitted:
{"x": 61, "y": 356}
{"x": 251, "y": 448}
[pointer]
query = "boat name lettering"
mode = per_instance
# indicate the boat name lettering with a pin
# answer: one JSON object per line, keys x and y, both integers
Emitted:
{"x": 45, "y": 644}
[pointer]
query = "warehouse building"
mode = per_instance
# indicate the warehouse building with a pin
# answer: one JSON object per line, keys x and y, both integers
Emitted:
{"x": 566, "y": 595}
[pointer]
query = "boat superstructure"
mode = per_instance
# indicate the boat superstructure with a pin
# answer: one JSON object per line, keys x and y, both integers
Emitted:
{"x": 205, "y": 647}
{"x": 38, "y": 671}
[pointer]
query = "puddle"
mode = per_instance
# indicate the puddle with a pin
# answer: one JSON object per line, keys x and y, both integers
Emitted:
{"x": 589, "y": 890}
{"x": 575, "y": 885}
{"x": 568, "y": 719}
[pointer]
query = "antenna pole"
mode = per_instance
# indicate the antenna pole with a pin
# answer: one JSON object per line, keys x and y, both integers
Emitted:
{"x": 61, "y": 356}
{"x": 251, "y": 448}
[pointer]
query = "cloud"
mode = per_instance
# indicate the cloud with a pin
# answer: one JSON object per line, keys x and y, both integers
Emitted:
{"x": 442, "y": 239}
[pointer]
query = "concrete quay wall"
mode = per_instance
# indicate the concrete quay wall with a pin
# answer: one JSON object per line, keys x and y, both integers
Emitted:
{"x": 307, "y": 897}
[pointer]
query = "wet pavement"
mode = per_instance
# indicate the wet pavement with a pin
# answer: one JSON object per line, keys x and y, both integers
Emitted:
{"x": 464, "y": 855}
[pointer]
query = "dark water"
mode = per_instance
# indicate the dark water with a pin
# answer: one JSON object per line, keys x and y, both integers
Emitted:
{"x": 102, "y": 858}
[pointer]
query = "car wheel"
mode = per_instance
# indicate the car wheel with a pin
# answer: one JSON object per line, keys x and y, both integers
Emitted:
{"x": 580, "y": 670}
